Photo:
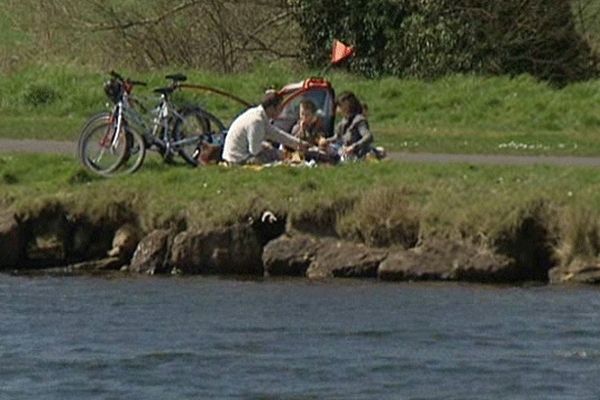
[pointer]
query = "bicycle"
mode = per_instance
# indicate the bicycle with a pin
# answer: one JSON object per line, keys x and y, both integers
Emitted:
{"x": 104, "y": 141}
{"x": 126, "y": 135}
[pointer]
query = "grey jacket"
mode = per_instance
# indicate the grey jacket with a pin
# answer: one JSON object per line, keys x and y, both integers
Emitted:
{"x": 355, "y": 132}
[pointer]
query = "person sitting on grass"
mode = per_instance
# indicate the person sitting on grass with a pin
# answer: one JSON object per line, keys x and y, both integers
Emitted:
{"x": 309, "y": 126}
{"x": 310, "y": 129}
{"x": 352, "y": 132}
{"x": 247, "y": 139}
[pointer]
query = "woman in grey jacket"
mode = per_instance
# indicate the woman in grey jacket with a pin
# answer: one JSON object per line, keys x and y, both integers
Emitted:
{"x": 352, "y": 132}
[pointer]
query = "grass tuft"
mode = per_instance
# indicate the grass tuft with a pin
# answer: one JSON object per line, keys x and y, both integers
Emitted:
{"x": 39, "y": 95}
{"x": 9, "y": 178}
{"x": 382, "y": 216}
{"x": 580, "y": 235}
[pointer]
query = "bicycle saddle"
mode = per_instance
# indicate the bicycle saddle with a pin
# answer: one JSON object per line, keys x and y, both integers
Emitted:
{"x": 177, "y": 77}
{"x": 164, "y": 91}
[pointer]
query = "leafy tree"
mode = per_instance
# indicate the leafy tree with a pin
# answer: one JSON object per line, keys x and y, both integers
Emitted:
{"x": 364, "y": 23}
{"x": 431, "y": 38}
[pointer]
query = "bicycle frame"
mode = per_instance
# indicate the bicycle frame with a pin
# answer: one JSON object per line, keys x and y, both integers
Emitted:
{"x": 159, "y": 132}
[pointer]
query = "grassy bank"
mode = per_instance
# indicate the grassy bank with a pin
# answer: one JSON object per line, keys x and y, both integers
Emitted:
{"x": 456, "y": 114}
{"x": 374, "y": 203}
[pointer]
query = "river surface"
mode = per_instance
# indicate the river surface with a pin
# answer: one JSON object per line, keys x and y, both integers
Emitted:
{"x": 210, "y": 338}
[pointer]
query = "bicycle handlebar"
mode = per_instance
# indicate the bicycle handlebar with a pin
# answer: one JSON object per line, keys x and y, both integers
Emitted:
{"x": 116, "y": 75}
{"x": 119, "y": 77}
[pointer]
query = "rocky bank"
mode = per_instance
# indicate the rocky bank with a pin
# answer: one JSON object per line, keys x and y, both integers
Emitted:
{"x": 52, "y": 240}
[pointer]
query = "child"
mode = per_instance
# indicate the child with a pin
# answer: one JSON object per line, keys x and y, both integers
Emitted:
{"x": 309, "y": 126}
{"x": 310, "y": 129}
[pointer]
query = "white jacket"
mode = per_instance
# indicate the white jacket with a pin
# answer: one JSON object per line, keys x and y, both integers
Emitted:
{"x": 247, "y": 133}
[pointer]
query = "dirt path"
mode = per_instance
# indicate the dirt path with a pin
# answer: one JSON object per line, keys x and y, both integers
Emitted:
{"x": 56, "y": 147}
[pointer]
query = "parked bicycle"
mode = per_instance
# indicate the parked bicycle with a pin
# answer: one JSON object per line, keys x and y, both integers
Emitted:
{"x": 105, "y": 138}
{"x": 116, "y": 141}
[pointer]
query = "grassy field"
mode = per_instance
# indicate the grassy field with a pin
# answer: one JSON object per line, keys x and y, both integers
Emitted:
{"x": 460, "y": 114}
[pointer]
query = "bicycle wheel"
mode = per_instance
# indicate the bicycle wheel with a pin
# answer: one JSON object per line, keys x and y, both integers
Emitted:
{"x": 194, "y": 127}
{"x": 82, "y": 133}
{"x": 135, "y": 154}
{"x": 98, "y": 151}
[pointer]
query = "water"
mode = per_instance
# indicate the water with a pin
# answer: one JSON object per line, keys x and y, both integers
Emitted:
{"x": 209, "y": 338}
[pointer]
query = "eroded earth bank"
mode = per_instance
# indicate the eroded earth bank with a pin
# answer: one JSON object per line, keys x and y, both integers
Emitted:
{"x": 54, "y": 241}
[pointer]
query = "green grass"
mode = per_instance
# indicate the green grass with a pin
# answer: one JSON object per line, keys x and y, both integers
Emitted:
{"x": 456, "y": 114}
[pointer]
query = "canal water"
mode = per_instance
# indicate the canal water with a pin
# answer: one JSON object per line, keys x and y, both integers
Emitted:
{"x": 212, "y": 338}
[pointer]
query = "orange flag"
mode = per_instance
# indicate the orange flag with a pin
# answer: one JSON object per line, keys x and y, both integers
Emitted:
{"x": 340, "y": 52}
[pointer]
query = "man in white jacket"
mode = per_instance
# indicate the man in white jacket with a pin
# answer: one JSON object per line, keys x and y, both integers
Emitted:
{"x": 245, "y": 142}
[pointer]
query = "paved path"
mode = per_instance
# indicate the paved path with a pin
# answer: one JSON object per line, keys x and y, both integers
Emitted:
{"x": 49, "y": 146}
{"x": 37, "y": 146}
{"x": 490, "y": 159}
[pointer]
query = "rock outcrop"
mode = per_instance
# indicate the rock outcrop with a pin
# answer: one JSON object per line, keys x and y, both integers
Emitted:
{"x": 336, "y": 258}
{"x": 289, "y": 255}
{"x": 227, "y": 250}
{"x": 152, "y": 253}
{"x": 124, "y": 243}
{"x": 304, "y": 255}
{"x": 578, "y": 271}
{"x": 444, "y": 260}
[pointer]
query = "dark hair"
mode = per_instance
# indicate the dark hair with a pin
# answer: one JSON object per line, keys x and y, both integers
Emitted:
{"x": 271, "y": 99}
{"x": 309, "y": 105}
{"x": 350, "y": 98}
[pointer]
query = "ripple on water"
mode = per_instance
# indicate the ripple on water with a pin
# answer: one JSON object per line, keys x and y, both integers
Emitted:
{"x": 579, "y": 354}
